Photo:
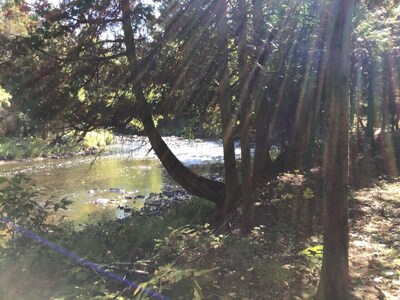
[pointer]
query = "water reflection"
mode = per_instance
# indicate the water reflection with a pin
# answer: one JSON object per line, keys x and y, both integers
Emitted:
{"x": 129, "y": 163}
{"x": 85, "y": 180}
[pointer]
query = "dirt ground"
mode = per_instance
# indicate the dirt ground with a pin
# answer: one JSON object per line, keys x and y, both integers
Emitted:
{"x": 375, "y": 241}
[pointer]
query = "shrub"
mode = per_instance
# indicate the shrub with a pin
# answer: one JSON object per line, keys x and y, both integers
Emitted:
{"x": 19, "y": 204}
{"x": 97, "y": 139}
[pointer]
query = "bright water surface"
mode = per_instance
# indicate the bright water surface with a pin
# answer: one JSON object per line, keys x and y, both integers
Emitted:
{"x": 129, "y": 164}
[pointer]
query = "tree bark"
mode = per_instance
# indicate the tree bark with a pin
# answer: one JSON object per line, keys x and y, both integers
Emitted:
{"x": 262, "y": 160}
{"x": 334, "y": 274}
{"x": 244, "y": 112}
{"x": 227, "y": 117}
{"x": 190, "y": 181}
{"x": 371, "y": 99}
{"x": 386, "y": 92}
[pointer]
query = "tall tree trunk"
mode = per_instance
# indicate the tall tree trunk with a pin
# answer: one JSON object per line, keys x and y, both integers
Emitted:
{"x": 193, "y": 183}
{"x": 227, "y": 117}
{"x": 386, "y": 92}
{"x": 387, "y": 162}
{"x": 334, "y": 274}
{"x": 262, "y": 160}
{"x": 245, "y": 111}
{"x": 371, "y": 98}
{"x": 319, "y": 91}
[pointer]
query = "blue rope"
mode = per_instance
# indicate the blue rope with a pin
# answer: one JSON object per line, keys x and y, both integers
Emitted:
{"x": 81, "y": 260}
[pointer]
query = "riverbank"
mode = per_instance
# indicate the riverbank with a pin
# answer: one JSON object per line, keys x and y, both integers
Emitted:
{"x": 189, "y": 151}
{"x": 61, "y": 147}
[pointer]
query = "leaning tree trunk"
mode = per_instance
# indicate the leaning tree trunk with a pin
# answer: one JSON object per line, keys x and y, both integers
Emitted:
{"x": 334, "y": 274}
{"x": 193, "y": 183}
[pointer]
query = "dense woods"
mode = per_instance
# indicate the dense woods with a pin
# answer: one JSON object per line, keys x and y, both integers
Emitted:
{"x": 300, "y": 84}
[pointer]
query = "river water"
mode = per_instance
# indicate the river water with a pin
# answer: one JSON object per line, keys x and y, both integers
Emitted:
{"x": 128, "y": 167}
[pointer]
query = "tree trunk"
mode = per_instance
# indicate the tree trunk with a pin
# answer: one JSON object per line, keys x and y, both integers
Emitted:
{"x": 227, "y": 117}
{"x": 384, "y": 144}
{"x": 371, "y": 99}
{"x": 386, "y": 92}
{"x": 334, "y": 274}
{"x": 193, "y": 183}
{"x": 245, "y": 111}
{"x": 262, "y": 160}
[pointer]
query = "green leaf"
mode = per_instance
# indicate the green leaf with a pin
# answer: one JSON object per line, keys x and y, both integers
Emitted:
{"x": 315, "y": 251}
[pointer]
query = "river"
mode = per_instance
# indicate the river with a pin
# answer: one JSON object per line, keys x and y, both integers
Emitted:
{"x": 124, "y": 174}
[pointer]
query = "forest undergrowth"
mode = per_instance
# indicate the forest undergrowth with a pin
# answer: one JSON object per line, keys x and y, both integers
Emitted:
{"x": 181, "y": 256}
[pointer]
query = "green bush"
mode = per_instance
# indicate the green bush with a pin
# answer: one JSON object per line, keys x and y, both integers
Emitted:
{"x": 136, "y": 237}
{"x": 19, "y": 204}
{"x": 97, "y": 139}
{"x": 23, "y": 148}
{"x": 27, "y": 148}
{"x": 32, "y": 147}
{"x": 24, "y": 214}
{"x": 115, "y": 245}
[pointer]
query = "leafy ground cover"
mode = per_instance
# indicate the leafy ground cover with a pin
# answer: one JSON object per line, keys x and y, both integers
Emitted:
{"x": 181, "y": 256}
{"x": 375, "y": 241}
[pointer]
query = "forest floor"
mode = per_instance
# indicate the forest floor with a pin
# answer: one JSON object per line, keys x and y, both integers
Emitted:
{"x": 179, "y": 256}
{"x": 281, "y": 258}
{"x": 375, "y": 241}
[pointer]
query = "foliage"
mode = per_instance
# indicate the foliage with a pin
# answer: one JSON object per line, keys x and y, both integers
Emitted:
{"x": 116, "y": 245}
{"x": 171, "y": 275}
{"x": 22, "y": 212}
{"x": 308, "y": 193}
{"x": 180, "y": 256}
{"x": 23, "y": 148}
{"x": 15, "y": 19}
{"x": 313, "y": 251}
{"x": 97, "y": 139}
{"x": 57, "y": 84}
{"x": 20, "y": 204}
{"x": 293, "y": 185}
{"x": 4, "y": 98}
{"x": 138, "y": 125}
{"x": 69, "y": 143}
{"x": 146, "y": 230}
{"x": 380, "y": 27}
